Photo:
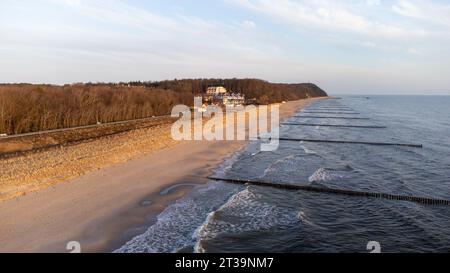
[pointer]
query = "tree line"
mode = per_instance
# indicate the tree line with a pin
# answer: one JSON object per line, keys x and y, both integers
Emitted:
{"x": 30, "y": 108}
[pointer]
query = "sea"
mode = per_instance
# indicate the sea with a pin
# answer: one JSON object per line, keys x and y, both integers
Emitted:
{"x": 219, "y": 217}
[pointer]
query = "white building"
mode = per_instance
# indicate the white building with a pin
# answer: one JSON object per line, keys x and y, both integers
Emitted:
{"x": 218, "y": 95}
{"x": 216, "y": 90}
{"x": 234, "y": 99}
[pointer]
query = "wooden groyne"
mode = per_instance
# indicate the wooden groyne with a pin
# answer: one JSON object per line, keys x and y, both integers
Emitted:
{"x": 331, "y": 117}
{"x": 325, "y": 112}
{"x": 336, "y": 125}
{"x": 290, "y": 186}
{"x": 352, "y": 142}
{"x": 331, "y": 108}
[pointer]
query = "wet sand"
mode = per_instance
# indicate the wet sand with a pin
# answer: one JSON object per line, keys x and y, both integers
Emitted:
{"x": 105, "y": 208}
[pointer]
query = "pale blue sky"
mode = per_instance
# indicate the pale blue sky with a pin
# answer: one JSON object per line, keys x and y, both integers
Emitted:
{"x": 346, "y": 47}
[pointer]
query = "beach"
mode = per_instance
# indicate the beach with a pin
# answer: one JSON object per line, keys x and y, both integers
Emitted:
{"x": 115, "y": 194}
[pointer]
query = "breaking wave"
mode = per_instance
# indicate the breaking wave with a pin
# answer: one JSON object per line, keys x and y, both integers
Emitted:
{"x": 175, "y": 226}
{"x": 324, "y": 175}
{"x": 245, "y": 211}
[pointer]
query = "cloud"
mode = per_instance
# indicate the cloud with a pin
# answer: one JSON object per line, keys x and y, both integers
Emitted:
{"x": 330, "y": 16}
{"x": 373, "y": 2}
{"x": 118, "y": 12}
{"x": 115, "y": 26}
{"x": 427, "y": 11}
{"x": 126, "y": 42}
{"x": 248, "y": 24}
{"x": 413, "y": 51}
{"x": 332, "y": 43}
{"x": 72, "y": 3}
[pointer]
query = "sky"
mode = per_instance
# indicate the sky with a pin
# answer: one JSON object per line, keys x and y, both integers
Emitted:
{"x": 344, "y": 46}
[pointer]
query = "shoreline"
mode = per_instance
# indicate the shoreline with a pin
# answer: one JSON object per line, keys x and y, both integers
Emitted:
{"x": 105, "y": 208}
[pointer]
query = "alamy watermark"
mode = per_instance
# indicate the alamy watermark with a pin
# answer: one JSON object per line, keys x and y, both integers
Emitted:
{"x": 73, "y": 247}
{"x": 234, "y": 123}
{"x": 374, "y": 247}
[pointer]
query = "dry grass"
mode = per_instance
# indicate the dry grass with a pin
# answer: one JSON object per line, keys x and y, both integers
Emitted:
{"x": 32, "y": 108}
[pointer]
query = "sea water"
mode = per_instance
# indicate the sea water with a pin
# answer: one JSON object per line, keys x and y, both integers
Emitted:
{"x": 220, "y": 217}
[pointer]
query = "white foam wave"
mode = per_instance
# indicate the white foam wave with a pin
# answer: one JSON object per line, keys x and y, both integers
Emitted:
{"x": 306, "y": 150}
{"x": 273, "y": 166}
{"x": 323, "y": 175}
{"x": 176, "y": 225}
{"x": 304, "y": 219}
{"x": 245, "y": 211}
{"x": 227, "y": 165}
{"x": 201, "y": 229}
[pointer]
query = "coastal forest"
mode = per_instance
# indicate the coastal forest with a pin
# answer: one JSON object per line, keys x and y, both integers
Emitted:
{"x": 29, "y": 108}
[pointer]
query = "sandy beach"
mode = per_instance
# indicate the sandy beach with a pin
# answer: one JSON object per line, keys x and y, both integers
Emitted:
{"x": 117, "y": 197}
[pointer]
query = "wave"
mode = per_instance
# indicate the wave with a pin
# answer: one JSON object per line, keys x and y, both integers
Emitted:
{"x": 324, "y": 175}
{"x": 175, "y": 226}
{"x": 227, "y": 165}
{"x": 198, "y": 248}
{"x": 244, "y": 212}
{"x": 273, "y": 166}
{"x": 307, "y": 151}
{"x": 304, "y": 219}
